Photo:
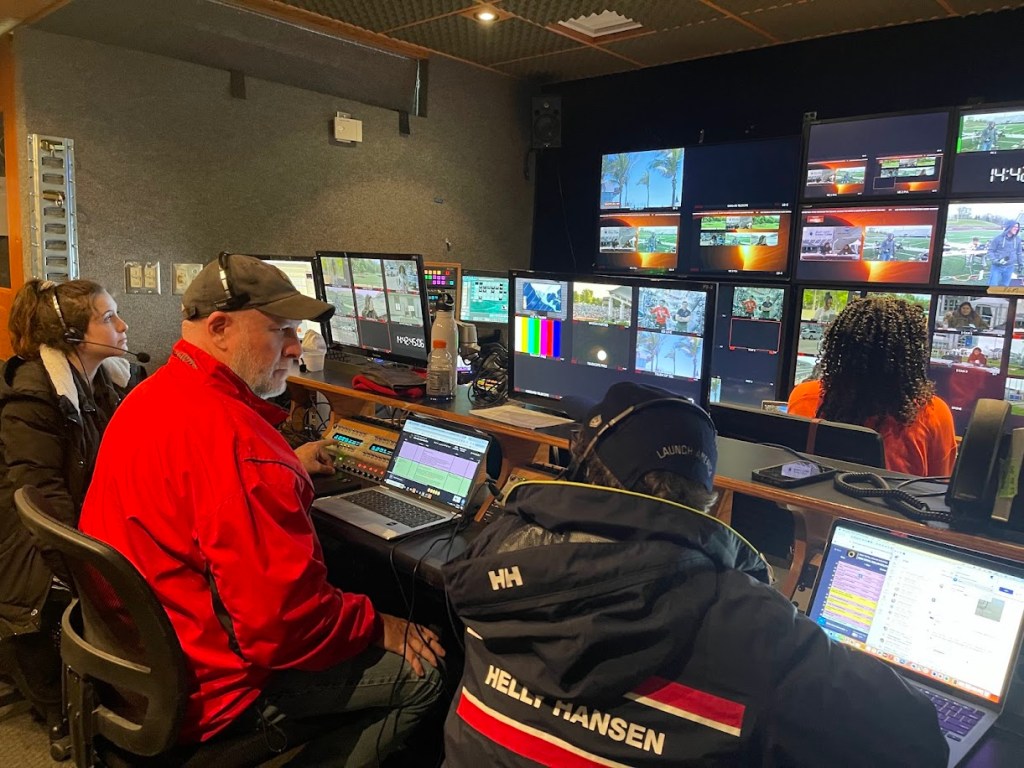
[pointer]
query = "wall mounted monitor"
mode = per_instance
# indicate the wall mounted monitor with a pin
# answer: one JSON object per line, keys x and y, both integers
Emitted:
{"x": 878, "y": 244}
{"x": 737, "y": 208}
{"x": 645, "y": 242}
{"x": 642, "y": 181}
{"x": 380, "y": 304}
{"x": 989, "y": 157}
{"x": 746, "y": 357}
{"x": 442, "y": 276}
{"x": 579, "y": 335}
{"x": 876, "y": 157}
{"x": 975, "y": 354}
{"x": 817, "y": 308}
{"x": 484, "y": 297}
{"x": 982, "y": 244}
{"x": 304, "y": 272}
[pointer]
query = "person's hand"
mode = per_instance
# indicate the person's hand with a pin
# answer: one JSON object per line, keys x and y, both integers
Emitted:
{"x": 412, "y": 641}
{"x": 315, "y": 457}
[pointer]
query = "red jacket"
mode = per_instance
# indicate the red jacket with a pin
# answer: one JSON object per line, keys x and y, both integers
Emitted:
{"x": 198, "y": 490}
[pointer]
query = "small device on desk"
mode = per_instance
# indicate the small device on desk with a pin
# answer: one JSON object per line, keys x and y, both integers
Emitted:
{"x": 492, "y": 509}
{"x": 364, "y": 450}
{"x": 793, "y": 474}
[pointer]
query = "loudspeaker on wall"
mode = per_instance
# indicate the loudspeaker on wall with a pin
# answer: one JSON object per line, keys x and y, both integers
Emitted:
{"x": 546, "y": 122}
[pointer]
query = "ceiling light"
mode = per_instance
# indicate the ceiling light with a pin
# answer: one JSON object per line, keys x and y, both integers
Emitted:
{"x": 485, "y": 15}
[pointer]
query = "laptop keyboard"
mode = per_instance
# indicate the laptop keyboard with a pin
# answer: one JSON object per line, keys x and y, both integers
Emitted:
{"x": 956, "y": 719}
{"x": 394, "y": 509}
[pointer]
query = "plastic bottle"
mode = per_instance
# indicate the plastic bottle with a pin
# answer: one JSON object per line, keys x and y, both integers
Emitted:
{"x": 440, "y": 372}
{"x": 444, "y": 328}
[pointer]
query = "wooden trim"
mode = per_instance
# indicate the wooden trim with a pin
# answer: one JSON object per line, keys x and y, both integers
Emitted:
{"x": 12, "y": 149}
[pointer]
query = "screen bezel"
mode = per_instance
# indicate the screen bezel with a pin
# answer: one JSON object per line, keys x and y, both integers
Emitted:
{"x": 374, "y": 353}
{"x": 481, "y": 273}
{"x": 958, "y": 113}
{"x": 945, "y": 176}
{"x": 635, "y": 281}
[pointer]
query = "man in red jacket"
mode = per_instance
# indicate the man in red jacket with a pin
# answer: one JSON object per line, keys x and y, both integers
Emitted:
{"x": 212, "y": 510}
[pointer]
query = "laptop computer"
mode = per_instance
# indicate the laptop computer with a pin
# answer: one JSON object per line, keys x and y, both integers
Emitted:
{"x": 433, "y": 473}
{"x": 947, "y": 620}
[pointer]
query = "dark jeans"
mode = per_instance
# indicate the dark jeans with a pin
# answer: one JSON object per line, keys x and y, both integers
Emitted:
{"x": 35, "y": 659}
{"x": 377, "y": 697}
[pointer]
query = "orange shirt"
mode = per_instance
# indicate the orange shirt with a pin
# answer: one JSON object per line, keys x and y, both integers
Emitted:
{"x": 926, "y": 448}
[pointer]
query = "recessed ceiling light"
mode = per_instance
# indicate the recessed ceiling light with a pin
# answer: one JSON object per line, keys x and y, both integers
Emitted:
{"x": 485, "y": 15}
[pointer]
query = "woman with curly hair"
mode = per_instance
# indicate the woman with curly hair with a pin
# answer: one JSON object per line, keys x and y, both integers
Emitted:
{"x": 874, "y": 364}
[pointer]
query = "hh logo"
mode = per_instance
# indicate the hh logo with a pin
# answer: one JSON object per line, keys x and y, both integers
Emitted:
{"x": 504, "y": 578}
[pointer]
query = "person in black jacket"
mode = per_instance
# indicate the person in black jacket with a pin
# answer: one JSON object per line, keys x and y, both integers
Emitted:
{"x": 622, "y": 625}
{"x": 56, "y": 397}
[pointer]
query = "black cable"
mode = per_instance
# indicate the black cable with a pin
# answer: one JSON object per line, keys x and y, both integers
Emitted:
{"x": 905, "y": 503}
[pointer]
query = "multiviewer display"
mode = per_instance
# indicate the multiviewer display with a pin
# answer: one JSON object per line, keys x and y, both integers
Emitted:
{"x": 484, "y": 298}
{"x": 876, "y": 157}
{"x": 989, "y": 152}
{"x": 638, "y": 241}
{"x": 303, "y": 272}
{"x": 740, "y": 242}
{"x": 380, "y": 305}
{"x": 816, "y": 309}
{"x": 580, "y": 337}
{"x": 867, "y": 244}
{"x": 982, "y": 245}
{"x": 746, "y": 357}
{"x": 974, "y": 354}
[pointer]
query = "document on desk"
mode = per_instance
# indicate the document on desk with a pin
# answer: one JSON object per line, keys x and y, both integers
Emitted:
{"x": 520, "y": 417}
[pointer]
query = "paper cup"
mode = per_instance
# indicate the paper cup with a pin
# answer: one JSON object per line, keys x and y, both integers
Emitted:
{"x": 314, "y": 359}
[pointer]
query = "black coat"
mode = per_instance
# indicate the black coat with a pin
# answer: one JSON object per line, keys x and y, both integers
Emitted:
{"x": 47, "y": 442}
{"x": 605, "y": 625}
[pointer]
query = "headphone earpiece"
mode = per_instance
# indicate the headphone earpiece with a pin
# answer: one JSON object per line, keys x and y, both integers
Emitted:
{"x": 232, "y": 301}
{"x": 71, "y": 335}
{"x": 74, "y": 336}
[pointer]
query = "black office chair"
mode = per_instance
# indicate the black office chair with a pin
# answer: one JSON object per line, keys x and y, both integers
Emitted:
{"x": 125, "y": 675}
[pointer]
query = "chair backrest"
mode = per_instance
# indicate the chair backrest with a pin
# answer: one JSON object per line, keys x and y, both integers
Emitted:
{"x": 121, "y": 641}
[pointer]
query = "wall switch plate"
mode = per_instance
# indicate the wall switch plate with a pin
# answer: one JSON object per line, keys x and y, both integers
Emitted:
{"x": 142, "y": 277}
{"x": 183, "y": 275}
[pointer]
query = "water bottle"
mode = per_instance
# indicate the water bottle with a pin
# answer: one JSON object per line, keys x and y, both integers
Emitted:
{"x": 444, "y": 328}
{"x": 440, "y": 372}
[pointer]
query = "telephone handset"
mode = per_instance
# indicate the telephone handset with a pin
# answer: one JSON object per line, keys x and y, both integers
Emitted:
{"x": 973, "y": 487}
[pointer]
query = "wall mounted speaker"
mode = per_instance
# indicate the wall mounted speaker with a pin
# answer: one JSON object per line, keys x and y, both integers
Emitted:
{"x": 546, "y": 122}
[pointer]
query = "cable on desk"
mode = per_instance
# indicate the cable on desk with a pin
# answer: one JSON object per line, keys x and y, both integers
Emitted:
{"x": 901, "y": 501}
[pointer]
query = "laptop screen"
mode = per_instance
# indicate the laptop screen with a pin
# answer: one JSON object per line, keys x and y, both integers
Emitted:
{"x": 928, "y": 608}
{"x": 436, "y": 463}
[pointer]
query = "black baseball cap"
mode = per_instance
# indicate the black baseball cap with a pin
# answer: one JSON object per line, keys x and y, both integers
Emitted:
{"x": 245, "y": 282}
{"x": 653, "y": 429}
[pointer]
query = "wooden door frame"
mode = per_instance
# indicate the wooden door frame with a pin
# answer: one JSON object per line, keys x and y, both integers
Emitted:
{"x": 12, "y": 149}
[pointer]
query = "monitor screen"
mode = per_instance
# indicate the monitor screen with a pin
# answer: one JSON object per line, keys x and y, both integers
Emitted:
{"x": 380, "y": 304}
{"x": 304, "y": 272}
{"x": 578, "y": 337}
{"x": 638, "y": 242}
{"x": 989, "y": 156}
{"x": 867, "y": 245}
{"x": 441, "y": 277}
{"x": 745, "y": 358}
{"x": 642, "y": 181}
{"x": 484, "y": 297}
{"x": 878, "y": 157}
{"x": 816, "y": 309}
{"x": 737, "y": 208}
{"x": 982, "y": 244}
{"x": 973, "y": 355}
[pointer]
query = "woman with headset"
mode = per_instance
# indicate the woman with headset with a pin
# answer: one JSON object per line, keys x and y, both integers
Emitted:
{"x": 56, "y": 397}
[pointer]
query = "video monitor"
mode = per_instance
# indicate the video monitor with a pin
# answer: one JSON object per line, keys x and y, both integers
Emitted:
{"x": 989, "y": 156}
{"x": 642, "y": 181}
{"x": 982, "y": 244}
{"x": 730, "y": 242}
{"x": 867, "y": 245}
{"x": 972, "y": 354}
{"x": 746, "y": 359}
{"x": 304, "y": 272}
{"x": 441, "y": 277}
{"x": 888, "y": 156}
{"x": 817, "y": 308}
{"x": 579, "y": 336}
{"x": 638, "y": 242}
{"x": 380, "y": 304}
{"x": 484, "y": 297}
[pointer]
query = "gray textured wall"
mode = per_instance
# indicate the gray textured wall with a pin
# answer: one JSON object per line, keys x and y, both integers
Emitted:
{"x": 170, "y": 167}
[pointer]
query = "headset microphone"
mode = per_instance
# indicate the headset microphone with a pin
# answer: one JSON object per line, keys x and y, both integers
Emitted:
{"x": 142, "y": 357}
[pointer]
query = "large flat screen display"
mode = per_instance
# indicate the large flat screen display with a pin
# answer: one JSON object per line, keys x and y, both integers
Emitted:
{"x": 578, "y": 336}
{"x": 989, "y": 156}
{"x": 877, "y": 244}
{"x": 642, "y": 181}
{"x": 982, "y": 244}
{"x": 878, "y": 157}
{"x": 737, "y": 208}
{"x": 380, "y": 304}
{"x": 746, "y": 357}
{"x": 638, "y": 242}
